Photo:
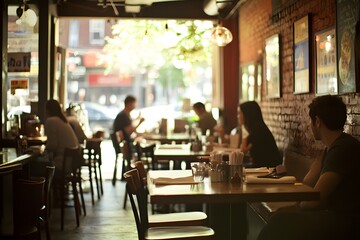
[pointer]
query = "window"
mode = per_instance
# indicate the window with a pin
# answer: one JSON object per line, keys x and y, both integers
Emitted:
{"x": 97, "y": 31}
{"x": 74, "y": 33}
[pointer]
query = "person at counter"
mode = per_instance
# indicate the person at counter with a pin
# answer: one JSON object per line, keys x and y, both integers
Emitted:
{"x": 59, "y": 133}
{"x": 206, "y": 120}
{"x": 336, "y": 176}
{"x": 75, "y": 124}
{"x": 260, "y": 143}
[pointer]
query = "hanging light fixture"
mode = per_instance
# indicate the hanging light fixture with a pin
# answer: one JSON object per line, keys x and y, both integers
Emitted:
{"x": 221, "y": 36}
{"x": 25, "y": 14}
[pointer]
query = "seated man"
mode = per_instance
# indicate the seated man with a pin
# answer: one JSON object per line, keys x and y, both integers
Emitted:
{"x": 206, "y": 119}
{"x": 336, "y": 176}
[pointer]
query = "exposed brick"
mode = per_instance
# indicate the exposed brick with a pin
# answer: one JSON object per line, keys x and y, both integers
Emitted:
{"x": 287, "y": 116}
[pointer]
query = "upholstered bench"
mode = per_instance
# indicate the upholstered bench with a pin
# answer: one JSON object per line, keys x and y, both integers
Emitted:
{"x": 259, "y": 213}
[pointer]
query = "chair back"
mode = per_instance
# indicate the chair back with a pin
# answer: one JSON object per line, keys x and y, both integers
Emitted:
{"x": 139, "y": 165}
{"x": 93, "y": 150}
{"x": 50, "y": 170}
{"x": 72, "y": 161}
{"x": 28, "y": 201}
{"x": 115, "y": 143}
{"x": 135, "y": 188}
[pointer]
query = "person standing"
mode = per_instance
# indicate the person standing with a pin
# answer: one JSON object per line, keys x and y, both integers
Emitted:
{"x": 206, "y": 120}
{"x": 124, "y": 123}
{"x": 336, "y": 175}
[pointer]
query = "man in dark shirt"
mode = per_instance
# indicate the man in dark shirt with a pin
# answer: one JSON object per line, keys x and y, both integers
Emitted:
{"x": 206, "y": 119}
{"x": 336, "y": 176}
{"x": 123, "y": 125}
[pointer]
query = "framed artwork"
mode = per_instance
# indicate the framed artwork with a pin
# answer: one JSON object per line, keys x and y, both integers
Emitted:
{"x": 301, "y": 56}
{"x": 272, "y": 66}
{"x": 250, "y": 86}
{"x": 347, "y": 14}
{"x": 326, "y": 62}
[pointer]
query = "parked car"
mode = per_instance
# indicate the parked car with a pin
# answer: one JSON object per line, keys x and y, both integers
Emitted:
{"x": 97, "y": 117}
{"x": 100, "y": 117}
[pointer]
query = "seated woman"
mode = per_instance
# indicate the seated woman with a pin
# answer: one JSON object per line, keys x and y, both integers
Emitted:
{"x": 260, "y": 143}
{"x": 59, "y": 133}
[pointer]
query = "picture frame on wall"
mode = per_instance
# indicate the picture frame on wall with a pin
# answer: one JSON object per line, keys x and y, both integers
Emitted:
{"x": 301, "y": 56}
{"x": 326, "y": 62}
{"x": 272, "y": 66}
{"x": 250, "y": 84}
{"x": 347, "y": 15}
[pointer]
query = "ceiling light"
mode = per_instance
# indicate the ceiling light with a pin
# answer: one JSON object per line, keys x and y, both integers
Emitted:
{"x": 221, "y": 36}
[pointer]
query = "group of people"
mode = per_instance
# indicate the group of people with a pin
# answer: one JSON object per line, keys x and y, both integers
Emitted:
{"x": 336, "y": 175}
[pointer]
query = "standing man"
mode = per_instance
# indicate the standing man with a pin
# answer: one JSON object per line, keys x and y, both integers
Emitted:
{"x": 124, "y": 124}
{"x": 336, "y": 176}
{"x": 206, "y": 119}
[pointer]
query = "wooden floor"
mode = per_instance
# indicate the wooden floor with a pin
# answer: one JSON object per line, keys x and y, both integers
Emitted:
{"x": 106, "y": 220}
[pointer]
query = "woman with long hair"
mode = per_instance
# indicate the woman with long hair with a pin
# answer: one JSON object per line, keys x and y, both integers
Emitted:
{"x": 59, "y": 133}
{"x": 260, "y": 143}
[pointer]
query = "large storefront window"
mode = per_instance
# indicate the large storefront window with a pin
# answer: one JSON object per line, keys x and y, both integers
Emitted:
{"x": 22, "y": 76}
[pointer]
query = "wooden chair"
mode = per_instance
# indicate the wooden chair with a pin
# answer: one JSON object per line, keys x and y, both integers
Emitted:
{"x": 170, "y": 219}
{"x": 92, "y": 159}
{"x": 45, "y": 210}
{"x": 71, "y": 174}
{"x": 135, "y": 188}
{"x": 116, "y": 138}
{"x": 28, "y": 201}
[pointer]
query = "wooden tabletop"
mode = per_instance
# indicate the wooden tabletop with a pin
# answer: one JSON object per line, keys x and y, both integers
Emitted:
{"x": 224, "y": 192}
{"x": 178, "y": 138}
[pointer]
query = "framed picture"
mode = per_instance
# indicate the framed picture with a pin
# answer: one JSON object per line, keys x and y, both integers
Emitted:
{"x": 326, "y": 62}
{"x": 272, "y": 66}
{"x": 250, "y": 85}
{"x": 347, "y": 14}
{"x": 301, "y": 56}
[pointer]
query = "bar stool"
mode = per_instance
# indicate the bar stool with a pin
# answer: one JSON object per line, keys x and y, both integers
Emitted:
{"x": 92, "y": 159}
{"x": 28, "y": 201}
{"x": 71, "y": 175}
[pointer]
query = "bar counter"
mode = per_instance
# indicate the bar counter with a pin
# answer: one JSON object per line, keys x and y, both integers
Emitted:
{"x": 12, "y": 167}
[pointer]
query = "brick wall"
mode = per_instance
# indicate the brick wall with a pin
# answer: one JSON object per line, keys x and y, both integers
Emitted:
{"x": 287, "y": 117}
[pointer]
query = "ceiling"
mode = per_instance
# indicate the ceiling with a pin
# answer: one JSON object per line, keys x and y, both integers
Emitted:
{"x": 158, "y": 9}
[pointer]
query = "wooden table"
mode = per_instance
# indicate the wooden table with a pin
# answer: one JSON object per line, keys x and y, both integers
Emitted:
{"x": 177, "y": 153}
{"x": 227, "y": 201}
{"x": 176, "y": 138}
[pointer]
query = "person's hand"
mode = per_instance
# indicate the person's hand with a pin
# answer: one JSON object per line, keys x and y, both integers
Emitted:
{"x": 219, "y": 129}
{"x": 245, "y": 147}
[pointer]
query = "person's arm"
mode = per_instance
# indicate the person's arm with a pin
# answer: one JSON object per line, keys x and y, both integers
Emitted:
{"x": 313, "y": 175}
{"x": 326, "y": 184}
{"x": 50, "y": 132}
{"x": 245, "y": 146}
{"x": 130, "y": 129}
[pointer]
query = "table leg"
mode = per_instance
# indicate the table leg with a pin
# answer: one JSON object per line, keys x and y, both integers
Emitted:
{"x": 219, "y": 219}
{"x": 238, "y": 219}
{"x": 228, "y": 221}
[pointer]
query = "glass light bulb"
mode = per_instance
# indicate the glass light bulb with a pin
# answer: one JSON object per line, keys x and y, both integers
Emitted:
{"x": 221, "y": 36}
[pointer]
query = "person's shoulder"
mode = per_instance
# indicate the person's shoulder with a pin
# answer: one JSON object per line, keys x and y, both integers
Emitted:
{"x": 346, "y": 141}
{"x": 52, "y": 120}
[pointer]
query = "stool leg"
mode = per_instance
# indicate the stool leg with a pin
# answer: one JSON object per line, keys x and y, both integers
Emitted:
{"x": 91, "y": 183}
{"x": 125, "y": 199}
{"x": 101, "y": 181}
{"x": 115, "y": 171}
